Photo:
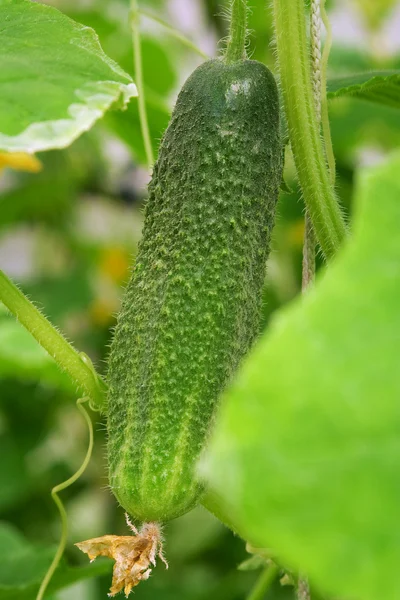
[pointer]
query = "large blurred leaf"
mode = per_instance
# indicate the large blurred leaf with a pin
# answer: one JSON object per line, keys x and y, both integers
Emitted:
{"x": 56, "y": 80}
{"x": 357, "y": 125}
{"x": 382, "y": 87}
{"x": 306, "y": 454}
{"x": 23, "y": 565}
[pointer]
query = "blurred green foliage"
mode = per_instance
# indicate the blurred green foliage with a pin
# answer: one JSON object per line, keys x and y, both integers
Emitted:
{"x": 67, "y": 236}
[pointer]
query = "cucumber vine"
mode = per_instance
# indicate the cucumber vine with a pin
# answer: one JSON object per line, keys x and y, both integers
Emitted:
{"x": 264, "y": 582}
{"x": 295, "y": 79}
{"x": 74, "y": 363}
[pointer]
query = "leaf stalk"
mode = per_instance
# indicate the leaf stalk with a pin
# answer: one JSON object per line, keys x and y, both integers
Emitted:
{"x": 304, "y": 132}
{"x": 137, "y": 58}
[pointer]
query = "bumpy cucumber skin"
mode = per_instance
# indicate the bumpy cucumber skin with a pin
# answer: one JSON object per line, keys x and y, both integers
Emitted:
{"x": 192, "y": 307}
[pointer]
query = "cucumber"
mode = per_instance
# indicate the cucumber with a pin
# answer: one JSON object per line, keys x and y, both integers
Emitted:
{"x": 192, "y": 307}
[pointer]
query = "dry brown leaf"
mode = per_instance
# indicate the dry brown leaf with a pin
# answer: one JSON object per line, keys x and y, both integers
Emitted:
{"x": 134, "y": 555}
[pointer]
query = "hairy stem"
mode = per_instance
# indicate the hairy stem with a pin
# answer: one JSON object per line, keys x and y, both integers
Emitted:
{"x": 236, "y": 47}
{"x": 75, "y": 364}
{"x": 263, "y": 583}
{"x": 295, "y": 76}
{"x": 174, "y": 33}
{"x": 137, "y": 57}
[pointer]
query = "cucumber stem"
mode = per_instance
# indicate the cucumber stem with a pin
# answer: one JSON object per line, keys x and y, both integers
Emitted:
{"x": 137, "y": 58}
{"x": 304, "y": 131}
{"x": 236, "y": 47}
{"x": 75, "y": 364}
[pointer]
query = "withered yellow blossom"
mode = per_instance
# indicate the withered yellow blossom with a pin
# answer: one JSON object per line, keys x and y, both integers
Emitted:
{"x": 134, "y": 555}
{"x": 20, "y": 161}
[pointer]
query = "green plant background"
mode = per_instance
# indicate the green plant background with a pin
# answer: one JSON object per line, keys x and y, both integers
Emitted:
{"x": 67, "y": 235}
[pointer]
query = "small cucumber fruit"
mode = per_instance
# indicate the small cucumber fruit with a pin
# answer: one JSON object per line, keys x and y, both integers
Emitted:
{"x": 192, "y": 307}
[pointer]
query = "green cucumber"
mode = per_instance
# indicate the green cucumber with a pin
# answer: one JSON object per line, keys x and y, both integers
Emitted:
{"x": 192, "y": 307}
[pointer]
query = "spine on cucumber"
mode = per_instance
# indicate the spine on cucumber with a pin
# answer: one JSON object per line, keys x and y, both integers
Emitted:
{"x": 192, "y": 307}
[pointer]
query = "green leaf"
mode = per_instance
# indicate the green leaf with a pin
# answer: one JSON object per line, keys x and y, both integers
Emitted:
{"x": 345, "y": 60}
{"x": 382, "y": 87}
{"x": 56, "y": 79}
{"x": 357, "y": 125}
{"x": 159, "y": 52}
{"x": 305, "y": 457}
{"x": 23, "y": 565}
{"x": 15, "y": 479}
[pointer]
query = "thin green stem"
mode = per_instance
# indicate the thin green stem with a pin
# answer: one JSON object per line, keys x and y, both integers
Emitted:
{"x": 236, "y": 47}
{"x": 263, "y": 583}
{"x": 313, "y": 174}
{"x": 54, "y": 493}
{"x": 137, "y": 58}
{"x": 174, "y": 32}
{"x": 76, "y": 364}
{"x": 326, "y": 130}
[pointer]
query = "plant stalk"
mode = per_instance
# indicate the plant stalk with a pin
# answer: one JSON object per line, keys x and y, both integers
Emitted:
{"x": 75, "y": 364}
{"x": 137, "y": 58}
{"x": 295, "y": 76}
{"x": 236, "y": 47}
{"x": 263, "y": 583}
